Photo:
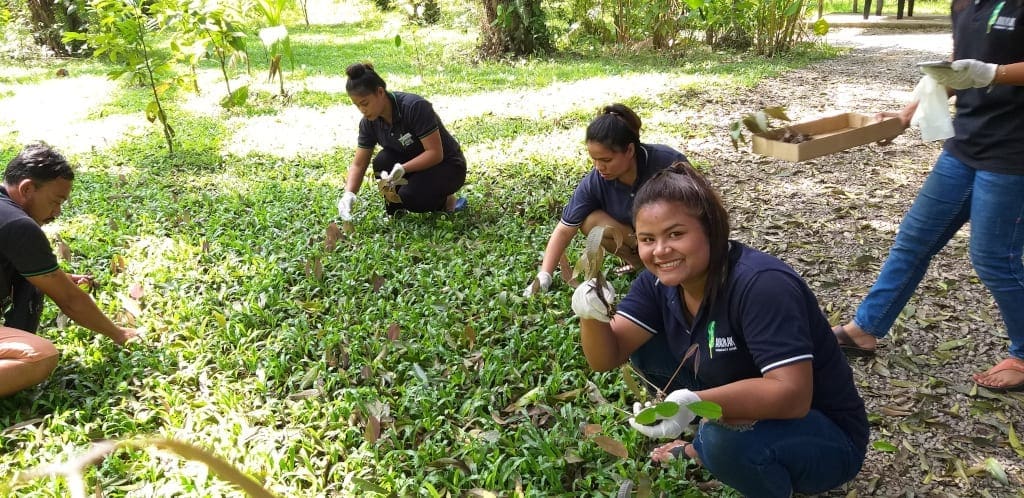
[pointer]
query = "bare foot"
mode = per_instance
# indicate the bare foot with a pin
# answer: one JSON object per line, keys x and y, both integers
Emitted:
{"x": 860, "y": 338}
{"x": 663, "y": 453}
{"x": 1007, "y": 375}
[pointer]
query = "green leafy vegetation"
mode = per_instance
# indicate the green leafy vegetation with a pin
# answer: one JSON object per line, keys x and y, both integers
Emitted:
{"x": 394, "y": 358}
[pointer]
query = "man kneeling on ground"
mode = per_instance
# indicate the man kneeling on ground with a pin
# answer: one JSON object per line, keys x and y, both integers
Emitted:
{"x": 36, "y": 184}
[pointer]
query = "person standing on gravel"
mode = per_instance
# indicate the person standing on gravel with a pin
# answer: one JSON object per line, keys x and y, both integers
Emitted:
{"x": 714, "y": 320}
{"x": 421, "y": 162}
{"x": 36, "y": 184}
{"x": 605, "y": 195}
{"x": 978, "y": 177}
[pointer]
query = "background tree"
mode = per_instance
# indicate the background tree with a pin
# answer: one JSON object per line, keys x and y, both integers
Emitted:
{"x": 515, "y": 27}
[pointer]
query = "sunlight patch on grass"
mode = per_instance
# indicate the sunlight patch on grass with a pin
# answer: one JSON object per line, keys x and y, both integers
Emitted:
{"x": 294, "y": 132}
{"x": 53, "y": 111}
{"x": 562, "y": 98}
{"x": 556, "y": 146}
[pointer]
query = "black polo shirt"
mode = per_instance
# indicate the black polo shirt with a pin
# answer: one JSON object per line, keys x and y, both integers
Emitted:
{"x": 612, "y": 196}
{"x": 989, "y": 122}
{"x": 764, "y": 318}
{"x": 24, "y": 249}
{"x": 413, "y": 119}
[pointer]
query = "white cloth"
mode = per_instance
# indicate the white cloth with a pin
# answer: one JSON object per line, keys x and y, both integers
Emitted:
{"x": 932, "y": 114}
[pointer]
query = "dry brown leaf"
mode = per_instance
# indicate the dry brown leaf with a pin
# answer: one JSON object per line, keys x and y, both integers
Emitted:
{"x": 332, "y": 237}
{"x": 611, "y": 446}
{"x": 394, "y": 330}
{"x": 591, "y": 429}
{"x": 372, "y": 432}
{"x": 117, "y": 264}
{"x": 470, "y": 335}
{"x": 63, "y": 250}
{"x": 441, "y": 463}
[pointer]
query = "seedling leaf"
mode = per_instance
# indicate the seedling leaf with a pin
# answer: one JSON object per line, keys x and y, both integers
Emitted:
{"x": 777, "y": 113}
{"x": 706, "y": 409}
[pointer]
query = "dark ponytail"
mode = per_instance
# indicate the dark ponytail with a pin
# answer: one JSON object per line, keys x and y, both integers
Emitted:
{"x": 363, "y": 80}
{"x": 615, "y": 128}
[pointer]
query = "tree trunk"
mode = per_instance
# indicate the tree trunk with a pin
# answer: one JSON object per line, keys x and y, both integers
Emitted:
{"x": 45, "y": 27}
{"x": 513, "y": 27}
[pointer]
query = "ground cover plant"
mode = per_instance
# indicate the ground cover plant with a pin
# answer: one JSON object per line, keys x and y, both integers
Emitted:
{"x": 397, "y": 358}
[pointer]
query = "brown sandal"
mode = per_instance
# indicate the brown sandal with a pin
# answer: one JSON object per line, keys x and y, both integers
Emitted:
{"x": 849, "y": 346}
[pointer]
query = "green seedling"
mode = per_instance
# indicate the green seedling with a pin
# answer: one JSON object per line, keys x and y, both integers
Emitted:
{"x": 592, "y": 259}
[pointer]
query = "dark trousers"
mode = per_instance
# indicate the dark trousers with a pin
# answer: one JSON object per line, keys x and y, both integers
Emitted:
{"x": 26, "y": 306}
{"x": 427, "y": 190}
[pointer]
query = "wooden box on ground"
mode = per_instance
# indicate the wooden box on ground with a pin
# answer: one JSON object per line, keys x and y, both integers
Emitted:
{"x": 831, "y": 134}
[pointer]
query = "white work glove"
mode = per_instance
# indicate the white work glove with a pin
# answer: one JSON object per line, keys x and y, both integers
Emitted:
{"x": 586, "y": 303}
{"x": 543, "y": 283}
{"x": 348, "y": 199}
{"x": 668, "y": 427}
{"x": 396, "y": 173}
{"x": 964, "y": 73}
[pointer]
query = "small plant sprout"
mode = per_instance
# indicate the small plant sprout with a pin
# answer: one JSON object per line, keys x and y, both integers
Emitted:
{"x": 758, "y": 123}
{"x": 592, "y": 259}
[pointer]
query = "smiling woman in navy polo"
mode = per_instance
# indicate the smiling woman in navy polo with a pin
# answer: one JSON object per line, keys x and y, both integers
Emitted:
{"x": 415, "y": 146}
{"x": 792, "y": 420}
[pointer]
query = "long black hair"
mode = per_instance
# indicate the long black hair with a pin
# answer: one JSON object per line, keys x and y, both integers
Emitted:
{"x": 681, "y": 183}
{"x": 363, "y": 80}
{"x": 615, "y": 128}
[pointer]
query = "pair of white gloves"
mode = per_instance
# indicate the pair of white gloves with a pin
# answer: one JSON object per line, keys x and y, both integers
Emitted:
{"x": 587, "y": 304}
{"x": 963, "y": 74}
{"x": 348, "y": 199}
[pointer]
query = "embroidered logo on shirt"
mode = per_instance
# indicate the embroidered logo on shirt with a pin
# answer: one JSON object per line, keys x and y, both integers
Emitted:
{"x": 724, "y": 344}
{"x": 1005, "y": 23}
{"x": 405, "y": 140}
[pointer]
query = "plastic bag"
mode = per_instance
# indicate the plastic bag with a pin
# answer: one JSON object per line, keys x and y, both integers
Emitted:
{"x": 932, "y": 114}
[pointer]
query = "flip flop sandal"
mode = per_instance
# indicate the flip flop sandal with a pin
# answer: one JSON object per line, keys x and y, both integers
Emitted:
{"x": 1014, "y": 364}
{"x": 848, "y": 346}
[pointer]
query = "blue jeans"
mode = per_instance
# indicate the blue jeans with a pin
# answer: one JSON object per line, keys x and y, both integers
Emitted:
{"x": 954, "y": 194}
{"x": 779, "y": 457}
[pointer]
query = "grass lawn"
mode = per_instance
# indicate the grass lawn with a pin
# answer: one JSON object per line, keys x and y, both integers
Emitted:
{"x": 405, "y": 361}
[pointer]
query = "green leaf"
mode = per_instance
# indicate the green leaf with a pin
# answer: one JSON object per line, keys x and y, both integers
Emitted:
{"x": 647, "y": 416}
{"x": 151, "y": 111}
{"x": 398, "y": 40}
{"x": 821, "y": 27}
{"x": 706, "y": 409}
{"x": 666, "y": 408}
{"x": 777, "y": 112}
{"x": 885, "y": 446}
{"x": 996, "y": 470}
{"x": 365, "y": 485}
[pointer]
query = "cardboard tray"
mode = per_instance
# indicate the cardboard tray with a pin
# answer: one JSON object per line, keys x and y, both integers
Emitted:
{"x": 830, "y": 134}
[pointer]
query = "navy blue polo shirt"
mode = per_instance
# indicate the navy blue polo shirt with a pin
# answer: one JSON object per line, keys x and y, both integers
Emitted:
{"x": 612, "y": 196}
{"x": 413, "y": 119}
{"x": 765, "y": 317}
{"x": 24, "y": 249}
{"x": 989, "y": 122}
